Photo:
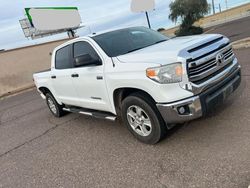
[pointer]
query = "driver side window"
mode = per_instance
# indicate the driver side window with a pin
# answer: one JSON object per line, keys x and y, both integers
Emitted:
{"x": 83, "y": 49}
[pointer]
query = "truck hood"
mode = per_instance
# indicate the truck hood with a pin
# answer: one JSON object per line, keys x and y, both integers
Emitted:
{"x": 167, "y": 52}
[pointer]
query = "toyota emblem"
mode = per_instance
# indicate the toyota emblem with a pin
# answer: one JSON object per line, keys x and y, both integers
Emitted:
{"x": 220, "y": 59}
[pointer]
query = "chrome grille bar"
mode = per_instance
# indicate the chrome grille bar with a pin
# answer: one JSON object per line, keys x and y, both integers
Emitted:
{"x": 208, "y": 65}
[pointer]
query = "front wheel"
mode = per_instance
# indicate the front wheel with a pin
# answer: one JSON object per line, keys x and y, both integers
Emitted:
{"x": 142, "y": 118}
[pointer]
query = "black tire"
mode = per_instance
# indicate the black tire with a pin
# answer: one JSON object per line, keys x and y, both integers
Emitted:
{"x": 158, "y": 127}
{"x": 58, "y": 110}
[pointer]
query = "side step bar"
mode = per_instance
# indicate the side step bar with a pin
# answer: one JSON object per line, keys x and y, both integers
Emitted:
{"x": 93, "y": 113}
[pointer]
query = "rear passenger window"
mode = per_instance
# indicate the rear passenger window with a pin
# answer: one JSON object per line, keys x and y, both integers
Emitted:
{"x": 63, "y": 59}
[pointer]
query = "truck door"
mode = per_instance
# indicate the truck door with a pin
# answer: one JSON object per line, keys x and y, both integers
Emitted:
{"x": 89, "y": 80}
{"x": 61, "y": 76}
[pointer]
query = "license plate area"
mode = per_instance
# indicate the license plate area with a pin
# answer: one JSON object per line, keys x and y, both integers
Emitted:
{"x": 227, "y": 92}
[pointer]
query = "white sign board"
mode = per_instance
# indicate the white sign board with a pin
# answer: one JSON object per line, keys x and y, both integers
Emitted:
{"x": 142, "y": 5}
{"x": 54, "y": 19}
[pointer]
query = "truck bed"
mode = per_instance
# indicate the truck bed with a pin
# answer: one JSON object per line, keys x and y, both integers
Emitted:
{"x": 47, "y": 70}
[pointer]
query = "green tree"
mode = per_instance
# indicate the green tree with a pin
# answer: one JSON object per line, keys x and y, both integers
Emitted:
{"x": 188, "y": 11}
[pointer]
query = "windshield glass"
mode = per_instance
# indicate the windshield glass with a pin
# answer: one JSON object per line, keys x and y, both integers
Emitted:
{"x": 124, "y": 41}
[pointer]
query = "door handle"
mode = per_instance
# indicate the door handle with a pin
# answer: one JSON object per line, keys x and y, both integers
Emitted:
{"x": 53, "y": 77}
{"x": 75, "y": 75}
{"x": 99, "y": 78}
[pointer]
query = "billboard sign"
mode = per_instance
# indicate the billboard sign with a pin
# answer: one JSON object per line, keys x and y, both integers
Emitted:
{"x": 142, "y": 5}
{"x": 53, "y": 18}
{"x": 33, "y": 33}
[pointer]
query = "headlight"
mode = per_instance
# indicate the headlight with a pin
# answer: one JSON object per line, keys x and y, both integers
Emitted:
{"x": 166, "y": 74}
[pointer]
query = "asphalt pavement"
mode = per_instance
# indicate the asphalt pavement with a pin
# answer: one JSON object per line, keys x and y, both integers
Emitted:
{"x": 38, "y": 150}
{"x": 235, "y": 30}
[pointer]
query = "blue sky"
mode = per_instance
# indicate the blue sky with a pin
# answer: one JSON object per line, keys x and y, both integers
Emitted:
{"x": 96, "y": 14}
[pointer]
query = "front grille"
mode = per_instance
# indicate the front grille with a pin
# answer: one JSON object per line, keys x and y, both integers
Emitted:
{"x": 203, "y": 68}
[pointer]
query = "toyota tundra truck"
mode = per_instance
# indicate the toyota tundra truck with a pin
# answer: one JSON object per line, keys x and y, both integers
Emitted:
{"x": 149, "y": 81}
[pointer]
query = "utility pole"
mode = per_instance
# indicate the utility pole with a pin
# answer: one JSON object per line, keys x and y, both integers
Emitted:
{"x": 219, "y": 7}
{"x": 213, "y": 6}
{"x": 143, "y": 6}
{"x": 149, "y": 25}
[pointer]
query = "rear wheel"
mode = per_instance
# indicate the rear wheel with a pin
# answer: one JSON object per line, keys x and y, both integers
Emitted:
{"x": 55, "y": 108}
{"x": 142, "y": 118}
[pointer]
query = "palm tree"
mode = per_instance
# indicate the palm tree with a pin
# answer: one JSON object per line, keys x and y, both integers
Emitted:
{"x": 188, "y": 11}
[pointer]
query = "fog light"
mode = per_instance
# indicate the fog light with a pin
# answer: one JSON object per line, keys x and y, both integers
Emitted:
{"x": 182, "y": 110}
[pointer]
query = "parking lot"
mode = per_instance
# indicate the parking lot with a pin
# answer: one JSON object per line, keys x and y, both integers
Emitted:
{"x": 38, "y": 150}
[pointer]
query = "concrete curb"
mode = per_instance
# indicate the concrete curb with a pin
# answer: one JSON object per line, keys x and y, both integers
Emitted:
{"x": 240, "y": 44}
{"x": 17, "y": 91}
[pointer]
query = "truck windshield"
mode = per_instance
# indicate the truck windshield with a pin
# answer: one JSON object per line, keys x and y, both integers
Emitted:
{"x": 125, "y": 41}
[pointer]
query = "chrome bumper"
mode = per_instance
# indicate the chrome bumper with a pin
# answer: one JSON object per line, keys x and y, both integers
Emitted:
{"x": 203, "y": 102}
{"x": 171, "y": 114}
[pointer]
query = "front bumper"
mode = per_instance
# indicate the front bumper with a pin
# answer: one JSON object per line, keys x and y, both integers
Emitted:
{"x": 201, "y": 104}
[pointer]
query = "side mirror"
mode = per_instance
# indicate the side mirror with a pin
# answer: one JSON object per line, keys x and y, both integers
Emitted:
{"x": 86, "y": 60}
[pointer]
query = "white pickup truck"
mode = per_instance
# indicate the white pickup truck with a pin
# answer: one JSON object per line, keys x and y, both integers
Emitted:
{"x": 149, "y": 80}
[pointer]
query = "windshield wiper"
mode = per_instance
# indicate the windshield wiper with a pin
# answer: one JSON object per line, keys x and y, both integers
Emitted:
{"x": 135, "y": 49}
{"x": 161, "y": 41}
{"x": 147, "y": 46}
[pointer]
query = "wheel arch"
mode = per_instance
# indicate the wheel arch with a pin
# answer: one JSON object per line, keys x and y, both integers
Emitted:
{"x": 120, "y": 94}
{"x": 45, "y": 90}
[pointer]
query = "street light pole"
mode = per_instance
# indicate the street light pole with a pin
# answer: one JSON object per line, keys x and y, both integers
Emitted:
{"x": 148, "y": 20}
